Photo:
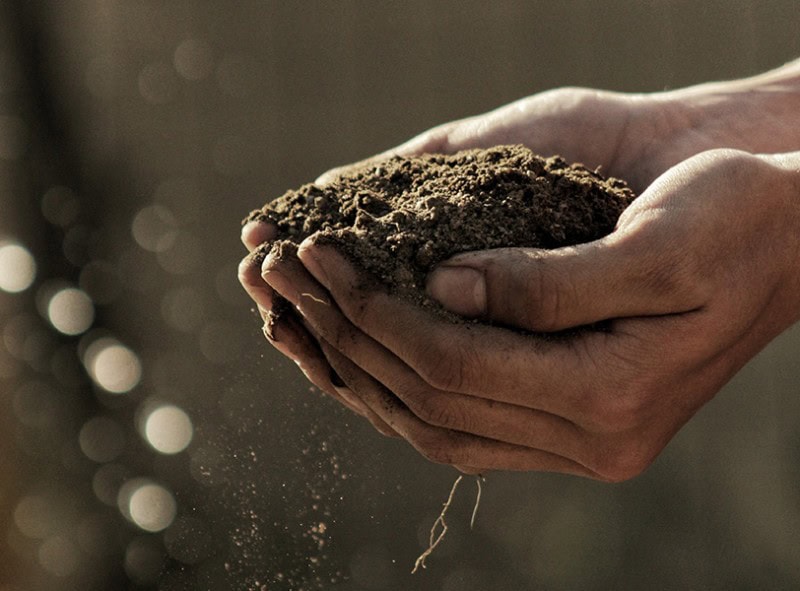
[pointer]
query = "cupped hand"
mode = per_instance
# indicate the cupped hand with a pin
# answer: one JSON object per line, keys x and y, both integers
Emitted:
{"x": 636, "y": 137}
{"x": 700, "y": 274}
{"x": 613, "y": 131}
{"x": 287, "y": 331}
{"x": 564, "y": 116}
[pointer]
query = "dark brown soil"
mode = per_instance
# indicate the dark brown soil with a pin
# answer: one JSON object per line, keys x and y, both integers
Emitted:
{"x": 400, "y": 218}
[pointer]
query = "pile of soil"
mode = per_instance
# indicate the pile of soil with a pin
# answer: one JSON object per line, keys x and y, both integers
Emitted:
{"x": 401, "y": 217}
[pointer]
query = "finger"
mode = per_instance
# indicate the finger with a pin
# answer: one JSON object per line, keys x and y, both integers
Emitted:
{"x": 469, "y": 414}
{"x": 473, "y": 359}
{"x": 470, "y": 470}
{"x": 304, "y": 346}
{"x": 446, "y": 446}
{"x": 496, "y": 420}
{"x": 288, "y": 336}
{"x": 252, "y": 282}
{"x": 623, "y": 275}
{"x": 378, "y": 423}
{"x": 346, "y": 393}
{"x": 255, "y": 233}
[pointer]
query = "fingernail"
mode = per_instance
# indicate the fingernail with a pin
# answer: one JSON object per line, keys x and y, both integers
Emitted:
{"x": 279, "y": 282}
{"x": 255, "y": 233}
{"x": 459, "y": 289}
{"x": 269, "y": 330}
{"x": 307, "y": 254}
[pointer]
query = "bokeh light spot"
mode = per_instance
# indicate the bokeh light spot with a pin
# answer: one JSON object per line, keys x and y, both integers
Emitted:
{"x": 17, "y": 268}
{"x": 168, "y": 429}
{"x": 60, "y": 206}
{"x": 154, "y": 228}
{"x": 70, "y": 311}
{"x": 151, "y": 507}
{"x": 101, "y": 439}
{"x": 35, "y": 516}
{"x": 193, "y": 59}
{"x": 59, "y": 556}
{"x": 112, "y": 365}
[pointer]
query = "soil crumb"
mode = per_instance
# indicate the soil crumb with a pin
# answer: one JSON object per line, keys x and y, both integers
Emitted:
{"x": 399, "y": 218}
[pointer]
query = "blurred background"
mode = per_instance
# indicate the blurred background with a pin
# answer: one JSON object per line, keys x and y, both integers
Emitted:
{"x": 150, "y": 439}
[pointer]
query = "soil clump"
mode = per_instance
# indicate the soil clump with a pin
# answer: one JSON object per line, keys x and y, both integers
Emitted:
{"x": 399, "y": 218}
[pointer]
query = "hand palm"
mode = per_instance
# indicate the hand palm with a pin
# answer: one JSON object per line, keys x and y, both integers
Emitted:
{"x": 634, "y": 137}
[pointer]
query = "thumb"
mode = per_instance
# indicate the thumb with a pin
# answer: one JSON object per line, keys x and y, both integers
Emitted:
{"x": 551, "y": 290}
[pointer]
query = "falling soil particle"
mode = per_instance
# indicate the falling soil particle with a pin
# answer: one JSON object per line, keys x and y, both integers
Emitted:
{"x": 399, "y": 218}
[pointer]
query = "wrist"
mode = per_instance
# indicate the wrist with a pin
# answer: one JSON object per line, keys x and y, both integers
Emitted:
{"x": 758, "y": 115}
{"x": 784, "y": 172}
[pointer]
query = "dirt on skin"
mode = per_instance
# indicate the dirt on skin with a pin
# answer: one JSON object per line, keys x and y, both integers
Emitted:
{"x": 401, "y": 217}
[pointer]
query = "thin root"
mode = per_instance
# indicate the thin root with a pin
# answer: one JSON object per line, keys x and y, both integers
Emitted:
{"x": 478, "y": 479}
{"x": 434, "y": 539}
{"x": 316, "y": 299}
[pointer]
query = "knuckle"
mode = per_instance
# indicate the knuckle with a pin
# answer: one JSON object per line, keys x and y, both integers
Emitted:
{"x": 634, "y": 381}
{"x": 676, "y": 277}
{"x": 546, "y": 297}
{"x": 730, "y": 163}
{"x": 546, "y": 291}
{"x": 617, "y": 413}
{"x": 359, "y": 307}
{"x": 442, "y": 368}
{"x": 437, "y": 410}
{"x": 624, "y": 463}
{"x": 342, "y": 337}
{"x": 448, "y": 374}
{"x": 435, "y": 447}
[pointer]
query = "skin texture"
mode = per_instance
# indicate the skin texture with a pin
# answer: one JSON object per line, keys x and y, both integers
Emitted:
{"x": 699, "y": 275}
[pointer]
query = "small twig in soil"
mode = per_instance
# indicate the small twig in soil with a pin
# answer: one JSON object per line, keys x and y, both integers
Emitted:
{"x": 316, "y": 299}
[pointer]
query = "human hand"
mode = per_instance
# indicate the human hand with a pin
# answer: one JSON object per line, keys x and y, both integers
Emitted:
{"x": 287, "y": 331}
{"x": 632, "y": 136}
{"x": 559, "y": 114}
{"x": 699, "y": 275}
{"x": 599, "y": 128}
